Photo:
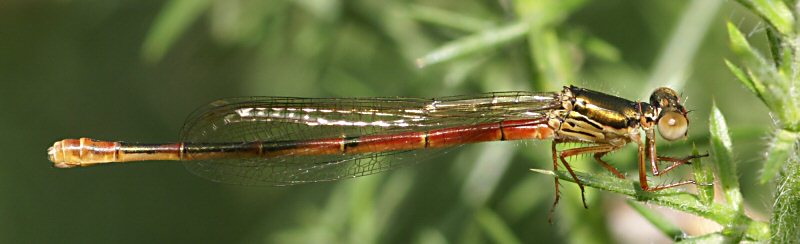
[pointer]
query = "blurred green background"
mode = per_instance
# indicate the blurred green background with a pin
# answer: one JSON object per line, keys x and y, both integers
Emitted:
{"x": 132, "y": 71}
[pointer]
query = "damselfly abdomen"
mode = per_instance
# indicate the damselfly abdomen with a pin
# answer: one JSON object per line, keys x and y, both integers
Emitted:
{"x": 286, "y": 141}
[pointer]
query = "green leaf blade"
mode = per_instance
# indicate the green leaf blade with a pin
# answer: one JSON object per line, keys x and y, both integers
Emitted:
{"x": 672, "y": 198}
{"x": 777, "y": 14}
{"x": 174, "y": 19}
{"x": 478, "y": 42}
{"x": 759, "y": 70}
{"x": 781, "y": 148}
{"x": 722, "y": 152}
{"x": 773, "y": 87}
{"x": 448, "y": 19}
{"x": 704, "y": 177}
{"x": 744, "y": 78}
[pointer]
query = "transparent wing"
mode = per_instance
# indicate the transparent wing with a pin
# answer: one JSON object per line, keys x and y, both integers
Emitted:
{"x": 252, "y": 119}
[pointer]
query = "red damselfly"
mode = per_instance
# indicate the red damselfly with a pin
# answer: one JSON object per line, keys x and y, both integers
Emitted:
{"x": 287, "y": 141}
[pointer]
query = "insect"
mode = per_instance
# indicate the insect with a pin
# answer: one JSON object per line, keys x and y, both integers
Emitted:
{"x": 287, "y": 141}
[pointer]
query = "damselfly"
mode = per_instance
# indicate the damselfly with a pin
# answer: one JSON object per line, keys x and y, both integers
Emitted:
{"x": 287, "y": 141}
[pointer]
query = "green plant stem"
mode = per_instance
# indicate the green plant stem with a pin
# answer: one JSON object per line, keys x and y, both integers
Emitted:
{"x": 481, "y": 41}
{"x": 774, "y": 81}
{"x": 784, "y": 222}
{"x": 448, "y": 19}
{"x": 673, "y": 198}
{"x": 715, "y": 237}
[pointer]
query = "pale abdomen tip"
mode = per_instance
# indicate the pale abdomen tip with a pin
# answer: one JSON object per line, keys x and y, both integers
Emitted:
{"x": 56, "y": 155}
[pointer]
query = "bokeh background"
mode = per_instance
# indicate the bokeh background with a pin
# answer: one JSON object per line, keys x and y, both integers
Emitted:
{"x": 133, "y": 70}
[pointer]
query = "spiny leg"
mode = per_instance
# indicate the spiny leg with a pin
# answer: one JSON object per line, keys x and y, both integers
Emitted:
{"x": 555, "y": 167}
{"x": 675, "y": 162}
{"x": 671, "y": 185}
{"x": 647, "y": 151}
{"x": 599, "y": 158}
{"x": 575, "y": 177}
{"x": 598, "y": 150}
{"x": 569, "y": 169}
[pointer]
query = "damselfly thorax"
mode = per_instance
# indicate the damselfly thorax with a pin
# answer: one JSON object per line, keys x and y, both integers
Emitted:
{"x": 286, "y": 141}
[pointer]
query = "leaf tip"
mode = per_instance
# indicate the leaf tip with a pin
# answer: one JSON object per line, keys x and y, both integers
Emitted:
{"x": 544, "y": 172}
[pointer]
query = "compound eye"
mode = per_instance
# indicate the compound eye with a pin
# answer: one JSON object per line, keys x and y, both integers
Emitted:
{"x": 673, "y": 126}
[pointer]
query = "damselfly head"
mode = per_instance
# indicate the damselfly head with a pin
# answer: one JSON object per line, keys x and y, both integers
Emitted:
{"x": 672, "y": 121}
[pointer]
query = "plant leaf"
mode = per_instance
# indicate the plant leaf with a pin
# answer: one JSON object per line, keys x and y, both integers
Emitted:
{"x": 704, "y": 177}
{"x": 481, "y": 41}
{"x": 770, "y": 84}
{"x": 751, "y": 58}
{"x": 174, "y": 19}
{"x": 553, "y": 65}
{"x": 447, "y": 18}
{"x": 744, "y": 78}
{"x": 776, "y": 13}
{"x": 672, "y": 198}
{"x": 722, "y": 152}
{"x": 601, "y": 49}
{"x": 782, "y": 146}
